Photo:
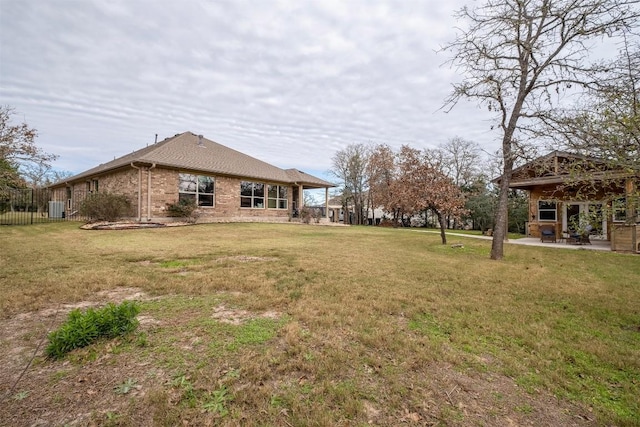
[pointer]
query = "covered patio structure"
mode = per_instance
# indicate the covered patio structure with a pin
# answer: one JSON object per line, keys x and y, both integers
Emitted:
{"x": 580, "y": 196}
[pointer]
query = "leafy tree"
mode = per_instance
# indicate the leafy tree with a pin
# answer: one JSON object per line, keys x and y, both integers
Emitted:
{"x": 519, "y": 56}
{"x": 18, "y": 148}
{"x": 518, "y": 211}
{"x": 9, "y": 175}
{"x": 480, "y": 204}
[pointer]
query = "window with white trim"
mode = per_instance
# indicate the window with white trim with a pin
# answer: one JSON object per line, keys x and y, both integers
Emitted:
{"x": 197, "y": 188}
{"x": 277, "y": 196}
{"x": 251, "y": 195}
{"x": 619, "y": 209}
{"x": 547, "y": 210}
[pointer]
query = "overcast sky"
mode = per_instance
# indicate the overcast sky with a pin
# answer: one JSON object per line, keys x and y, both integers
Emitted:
{"x": 288, "y": 82}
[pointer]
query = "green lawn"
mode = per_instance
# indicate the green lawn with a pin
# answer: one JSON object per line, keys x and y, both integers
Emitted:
{"x": 265, "y": 324}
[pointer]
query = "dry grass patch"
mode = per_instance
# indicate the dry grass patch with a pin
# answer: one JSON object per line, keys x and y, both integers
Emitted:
{"x": 294, "y": 325}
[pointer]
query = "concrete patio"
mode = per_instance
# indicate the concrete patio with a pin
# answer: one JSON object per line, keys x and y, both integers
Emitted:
{"x": 596, "y": 245}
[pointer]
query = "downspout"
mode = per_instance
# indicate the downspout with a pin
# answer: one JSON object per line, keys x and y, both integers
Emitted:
{"x": 149, "y": 191}
{"x": 139, "y": 192}
{"x": 65, "y": 199}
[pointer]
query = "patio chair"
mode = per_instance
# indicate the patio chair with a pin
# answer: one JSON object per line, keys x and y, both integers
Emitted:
{"x": 580, "y": 237}
{"x": 548, "y": 233}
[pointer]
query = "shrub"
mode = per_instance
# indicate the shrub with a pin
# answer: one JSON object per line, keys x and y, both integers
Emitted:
{"x": 307, "y": 214}
{"x": 105, "y": 206}
{"x": 82, "y": 329}
{"x": 317, "y": 215}
{"x": 185, "y": 208}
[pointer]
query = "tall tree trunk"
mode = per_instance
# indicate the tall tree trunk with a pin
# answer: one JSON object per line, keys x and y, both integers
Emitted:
{"x": 500, "y": 226}
{"x": 443, "y": 235}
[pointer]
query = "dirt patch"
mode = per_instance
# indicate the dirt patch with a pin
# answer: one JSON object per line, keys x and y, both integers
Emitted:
{"x": 493, "y": 399}
{"x": 236, "y": 316}
{"x": 246, "y": 258}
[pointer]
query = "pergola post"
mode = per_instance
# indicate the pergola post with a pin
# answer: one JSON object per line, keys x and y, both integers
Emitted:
{"x": 326, "y": 203}
{"x": 301, "y": 196}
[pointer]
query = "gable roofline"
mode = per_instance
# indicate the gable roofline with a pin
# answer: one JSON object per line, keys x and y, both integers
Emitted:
{"x": 188, "y": 151}
{"x": 558, "y": 154}
{"x": 544, "y": 159}
{"x": 299, "y": 177}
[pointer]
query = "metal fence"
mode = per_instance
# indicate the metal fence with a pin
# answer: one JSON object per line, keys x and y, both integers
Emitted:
{"x": 35, "y": 206}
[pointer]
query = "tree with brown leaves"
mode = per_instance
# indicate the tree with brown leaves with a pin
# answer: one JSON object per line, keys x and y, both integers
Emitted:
{"x": 18, "y": 148}
{"x": 425, "y": 187}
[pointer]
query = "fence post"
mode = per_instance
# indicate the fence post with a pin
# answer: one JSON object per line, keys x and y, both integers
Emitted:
{"x": 31, "y": 207}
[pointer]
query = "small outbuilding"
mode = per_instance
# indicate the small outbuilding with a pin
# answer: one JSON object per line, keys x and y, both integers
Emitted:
{"x": 569, "y": 191}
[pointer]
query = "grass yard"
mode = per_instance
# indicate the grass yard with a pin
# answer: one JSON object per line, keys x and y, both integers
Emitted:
{"x": 294, "y": 325}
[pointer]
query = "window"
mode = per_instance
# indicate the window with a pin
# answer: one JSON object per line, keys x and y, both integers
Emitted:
{"x": 619, "y": 209}
{"x": 94, "y": 184}
{"x": 546, "y": 210}
{"x": 199, "y": 188}
{"x": 251, "y": 195}
{"x": 277, "y": 197}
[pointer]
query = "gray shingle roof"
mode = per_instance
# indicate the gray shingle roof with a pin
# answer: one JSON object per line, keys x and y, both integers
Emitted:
{"x": 187, "y": 151}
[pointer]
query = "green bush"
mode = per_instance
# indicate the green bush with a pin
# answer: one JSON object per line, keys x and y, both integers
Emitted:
{"x": 185, "y": 208}
{"x": 82, "y": 329}
{"x": 105, "y": 206}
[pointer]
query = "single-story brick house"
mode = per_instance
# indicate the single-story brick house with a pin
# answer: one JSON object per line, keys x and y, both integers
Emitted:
{"x": 226, "y": 184}
{"x": 566, "y": 188}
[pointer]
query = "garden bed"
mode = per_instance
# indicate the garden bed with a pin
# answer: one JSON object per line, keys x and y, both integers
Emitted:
{"x": 129, "y": 225}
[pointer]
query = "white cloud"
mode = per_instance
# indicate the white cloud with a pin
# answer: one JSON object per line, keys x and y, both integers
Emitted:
{"x": 290, "y": 82}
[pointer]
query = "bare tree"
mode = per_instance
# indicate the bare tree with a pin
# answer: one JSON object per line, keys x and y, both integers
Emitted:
{"x": 41, "y": 174}
{"x": 608, "y": 124}
{"x": 381, "y": 174}
{"x": 461, "y": 160}
{"x": 350, "y": 167}
{"x": 519, "y": 56}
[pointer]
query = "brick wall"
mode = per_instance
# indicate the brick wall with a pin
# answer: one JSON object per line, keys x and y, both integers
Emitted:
{"x": 227, "y": 205}
{"x": 164, "y": 191}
